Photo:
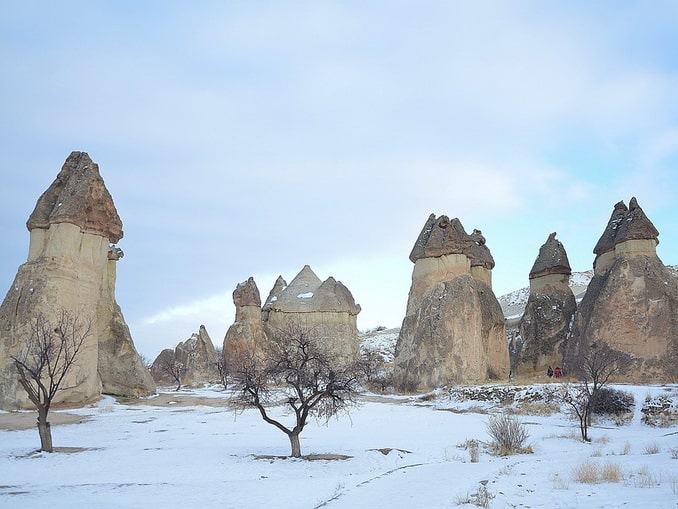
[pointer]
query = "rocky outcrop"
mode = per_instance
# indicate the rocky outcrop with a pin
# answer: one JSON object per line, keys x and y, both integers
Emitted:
{"x": 192, "y": 361}
{"x": 71, "y": 267}
{"x": 548, "y": 313}
{"x": 325, "y": 307}
{"x": 246, "y": 336}
{"x": 632, "y": 301}
{"x": 453, "y": 330}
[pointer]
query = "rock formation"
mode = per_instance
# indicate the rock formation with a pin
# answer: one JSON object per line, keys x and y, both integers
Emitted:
{"x": 548, "y": 314}
{"x": 71, "y": 267}
{"x": 327, "y": 307}
{"x": 193, "y": 361}
{"x": 246, "y": 336}
{"x": 632, "y": 301}
{"x": 453, "y": 330}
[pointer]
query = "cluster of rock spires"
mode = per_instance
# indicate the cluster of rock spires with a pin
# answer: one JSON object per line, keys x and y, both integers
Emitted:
{"x": 453, "y": 330}
{"x": 327, "y": 307}
{"x": 72, "y": 267}
{"x": 193, "y": 361}
{"x": 631, "y": 304}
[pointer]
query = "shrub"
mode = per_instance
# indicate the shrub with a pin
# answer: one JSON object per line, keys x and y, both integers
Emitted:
{"x": 651, "y": 448}
{"x": 508, "y": 435}
{"x": 608, "y": 401}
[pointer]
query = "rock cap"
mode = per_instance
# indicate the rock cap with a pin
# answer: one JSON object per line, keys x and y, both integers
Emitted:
{"x": 552, "y": 259}
{"x": 443, "y": 236}
{"x": 78, "y": 196}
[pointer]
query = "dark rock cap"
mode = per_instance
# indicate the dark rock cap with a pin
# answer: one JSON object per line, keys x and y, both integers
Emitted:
{"x": 78, "y": 196}
{"x": 552, "y": 259}
{"x": 626, "y": 223}
{"x": 636, "y": 225}
{"x": 442, "y": 236}
{"x": 247, "y": 294}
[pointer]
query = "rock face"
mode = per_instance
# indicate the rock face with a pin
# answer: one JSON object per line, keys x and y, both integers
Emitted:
{"x": 246, "y": 336}
{"x": 71, "y": 266}
{"x": 196, "y": 360}
{"x": 327, "y": 307}
{"x": 453, "y": 330}
{"x": 548, "y": 313}
{"x": 632, "y": 301}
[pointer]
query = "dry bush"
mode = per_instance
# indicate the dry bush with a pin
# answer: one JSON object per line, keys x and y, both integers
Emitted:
{"x": 592, "y": 473}
{"x": 626, "y": 449}
{"x": 474, "y": 451}
{"x": 559, "y": 482}
{"x": 645, "y": 479}
{"x": 586, "y": 473}
{"x": 481, "y": 498}
{"x": 508, "y": 435}
{"x": 611, "y": 473}
{"x": 660, "y": 411}
{"x": 674, "y": 453}
{"x": 609, "y": 401}
{"x": 651, "y": 448}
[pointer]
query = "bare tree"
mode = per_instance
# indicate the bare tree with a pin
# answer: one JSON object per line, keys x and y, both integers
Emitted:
{"x": 175, "y": 369}
{"x": 594, "y": 370}
{"x": 221, "y": 368}
{"x": 298, "y": 372}
{"x": 49, "y": 354}
{"x": 374, "y": 370}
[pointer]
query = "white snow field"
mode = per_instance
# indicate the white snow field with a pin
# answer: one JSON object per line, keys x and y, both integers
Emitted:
{"x": 403, "y": 452}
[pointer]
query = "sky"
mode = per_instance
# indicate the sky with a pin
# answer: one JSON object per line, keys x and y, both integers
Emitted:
{"x": 247, "y": 139}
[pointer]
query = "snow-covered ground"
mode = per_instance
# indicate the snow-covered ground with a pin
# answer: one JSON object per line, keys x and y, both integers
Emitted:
{"x": 404, "y": 452}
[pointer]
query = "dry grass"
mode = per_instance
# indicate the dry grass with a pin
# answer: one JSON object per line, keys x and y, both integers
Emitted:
{"x": 611, "y": 473}
{"x": 644, "y": 478}
{"x": 539, "y": 408}
{"x": 592, "y": 473}
{"x": 626, "y": 449}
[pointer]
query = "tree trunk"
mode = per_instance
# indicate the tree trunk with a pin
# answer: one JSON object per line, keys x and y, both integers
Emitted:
{"x": 296, "y": 446}
{"x": 45, "y": 432}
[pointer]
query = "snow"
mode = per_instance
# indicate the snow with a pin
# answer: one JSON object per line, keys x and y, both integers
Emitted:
{"x": 207, "y": 455}
{"x": 306, "y": 295}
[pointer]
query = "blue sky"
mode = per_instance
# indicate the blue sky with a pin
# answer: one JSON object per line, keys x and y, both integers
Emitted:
{"x": 251, "y": 138}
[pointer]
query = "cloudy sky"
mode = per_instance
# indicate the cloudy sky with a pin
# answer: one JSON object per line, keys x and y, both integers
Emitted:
{"x": 251, "y": 138}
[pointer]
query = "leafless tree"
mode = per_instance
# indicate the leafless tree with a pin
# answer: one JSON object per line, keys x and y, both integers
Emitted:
{"x": 42, "y": 365}
{"x": 221, "y": 368}
{"x": 175, "y": 369}
{"x": 299, "y": 373}
{"x": 374, "y": 370}
{"x": 594, "y": 370}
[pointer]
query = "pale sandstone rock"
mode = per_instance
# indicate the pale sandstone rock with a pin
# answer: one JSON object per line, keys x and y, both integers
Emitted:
{"x": 246, "y": 337}
{"x": 69, "y": 268}
{"x": 196, "y": 356}
{"x": 328, "y": 308}
{"x": 453, "y": 331}
{"x": 632, "y": 301}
